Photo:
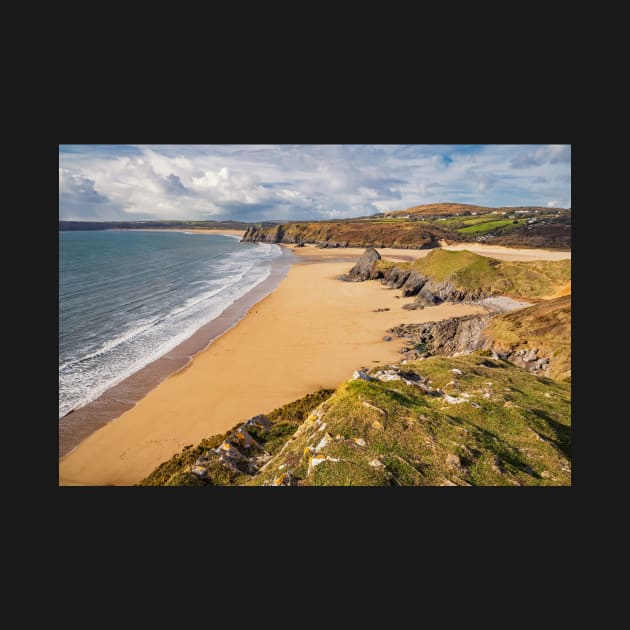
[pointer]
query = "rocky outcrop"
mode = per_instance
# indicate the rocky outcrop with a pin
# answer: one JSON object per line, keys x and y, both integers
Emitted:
{"x": 365, "y": 267}
{"x": 470, "y": 420}
{"x": 428, "y": 292}
{"x": 414, "y": 284}
{"x": 239, "y": 452}
{"x": 450, "y": 337}
{"x": 266, "y": 235}
{"x": 464, "y": 335}
{"x": 394, "y": 277}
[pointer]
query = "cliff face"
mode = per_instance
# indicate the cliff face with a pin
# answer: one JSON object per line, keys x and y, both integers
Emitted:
{"x": 266, "y": 235}
{"x": 349, "y": 234}
{"x": 536, "y": 338}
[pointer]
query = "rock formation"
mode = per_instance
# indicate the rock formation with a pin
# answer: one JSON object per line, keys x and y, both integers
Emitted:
{"x": 365, "y": 267}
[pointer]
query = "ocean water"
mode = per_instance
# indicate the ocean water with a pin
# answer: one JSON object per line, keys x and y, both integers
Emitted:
{"x": 127, "y": 298}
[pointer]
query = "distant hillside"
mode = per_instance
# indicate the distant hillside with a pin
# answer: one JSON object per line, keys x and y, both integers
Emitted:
{"x": 352, "y": 234}
{"x": 420, "y": 227}
{"x": 451, "y": 209}
{"x": 423, "y": 227}
{"x": 458, "y": 209}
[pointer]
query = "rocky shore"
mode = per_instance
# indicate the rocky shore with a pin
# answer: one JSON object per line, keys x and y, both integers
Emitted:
{"x": 427, "y": 291}
{"x": 459, "y": 335}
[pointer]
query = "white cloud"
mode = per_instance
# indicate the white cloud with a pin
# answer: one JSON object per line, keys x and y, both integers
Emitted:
{"x": 303, "y": 182}
{"x": 552, "y": 153}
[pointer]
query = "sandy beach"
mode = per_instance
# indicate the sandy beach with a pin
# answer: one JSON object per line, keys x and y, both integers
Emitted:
{"x": 312, "y": 331}
{"x": 312, "y": 253}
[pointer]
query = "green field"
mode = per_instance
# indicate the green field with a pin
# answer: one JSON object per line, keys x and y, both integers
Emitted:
{"x": 488, "y": 226}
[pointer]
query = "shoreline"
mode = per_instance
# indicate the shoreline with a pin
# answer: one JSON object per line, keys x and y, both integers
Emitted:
{"x": 78, "y": 424}
{"x": 218, "y": 231}
{"x": 312, "y": 331}
{"x": 307, "y": 330}
{"x": 313, "y": 253}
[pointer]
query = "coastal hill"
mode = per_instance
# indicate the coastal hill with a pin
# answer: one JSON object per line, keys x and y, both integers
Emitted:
{"x": 419, "y": 227}
{"x": 460, "y": 209}
{"x": 476, "y": 400}
{"x": 423, "y": 227}
{"x": 463, "y": 275}
{"x": 365, "y": 233}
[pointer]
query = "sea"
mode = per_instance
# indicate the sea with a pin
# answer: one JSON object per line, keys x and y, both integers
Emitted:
{"x": 128, "y": 297}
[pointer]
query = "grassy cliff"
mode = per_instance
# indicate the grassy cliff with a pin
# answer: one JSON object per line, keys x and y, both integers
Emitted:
{"x": 469, "y": 420}
{"x": 400, "y": 234}
{"x": 285, "y": 420}
{"x": 467, "y": 271}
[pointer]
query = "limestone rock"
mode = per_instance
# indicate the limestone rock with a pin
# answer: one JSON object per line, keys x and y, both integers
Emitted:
{"x": 413, "y": 284}
{"x": 200, "y": 471}
{"x": 285, "y": 479}
{"x": 364, "y": 268}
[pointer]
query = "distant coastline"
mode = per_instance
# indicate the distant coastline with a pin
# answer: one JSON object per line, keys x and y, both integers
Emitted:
{"x": 79, "y": 423}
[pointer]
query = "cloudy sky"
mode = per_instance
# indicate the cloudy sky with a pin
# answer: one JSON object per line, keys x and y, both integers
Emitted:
{"x": 258, "y": 182}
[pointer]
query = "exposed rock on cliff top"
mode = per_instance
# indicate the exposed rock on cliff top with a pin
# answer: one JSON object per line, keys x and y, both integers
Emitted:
{"x": 536, "y": 338}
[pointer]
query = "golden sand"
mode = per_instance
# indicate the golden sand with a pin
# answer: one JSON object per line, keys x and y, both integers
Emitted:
{"x": 312, "y": 331}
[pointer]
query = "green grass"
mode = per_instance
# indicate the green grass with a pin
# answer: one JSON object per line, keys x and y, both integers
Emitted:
{"x": 466, "y": 270}
{"x": 514, "y": 436}
{"x": 513, "y": 428}
{"x": 286, "y": 420}
{"x": 488, "y": 226}
{"x": 442, "y": 264}
{"x": 546, "y": 326}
